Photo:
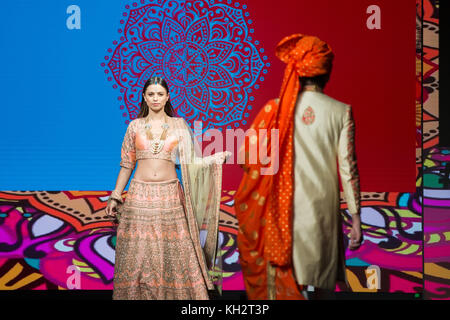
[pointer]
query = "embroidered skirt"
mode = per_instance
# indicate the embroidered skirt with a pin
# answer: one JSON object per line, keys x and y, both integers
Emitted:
{"x": 155, "y": 255}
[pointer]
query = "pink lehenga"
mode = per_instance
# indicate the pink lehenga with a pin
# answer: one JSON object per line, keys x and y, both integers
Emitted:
{"x": 167, "y": 238}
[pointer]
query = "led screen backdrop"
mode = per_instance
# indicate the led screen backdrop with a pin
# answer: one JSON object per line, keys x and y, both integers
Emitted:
{"x": 72, "y": 73}
{"x": 71, "y": 81}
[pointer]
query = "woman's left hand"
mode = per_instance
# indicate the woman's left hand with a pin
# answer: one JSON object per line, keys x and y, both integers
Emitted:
{"x": 218, "y": 158}
{"x": 226, "y": 155}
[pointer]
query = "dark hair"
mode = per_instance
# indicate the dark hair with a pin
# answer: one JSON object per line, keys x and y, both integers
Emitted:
{"x": 320, "y": 81}
{"x": 143, "y": 112}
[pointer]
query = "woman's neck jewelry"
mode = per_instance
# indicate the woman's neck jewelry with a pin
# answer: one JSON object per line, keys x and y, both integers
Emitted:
{"x": 156, "y": 145}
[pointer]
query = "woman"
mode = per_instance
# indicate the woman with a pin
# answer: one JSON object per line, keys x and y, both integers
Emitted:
{"x": 158, "y": 250}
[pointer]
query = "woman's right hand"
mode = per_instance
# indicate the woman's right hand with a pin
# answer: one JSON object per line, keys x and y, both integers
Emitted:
{"x": 111, "y": 208}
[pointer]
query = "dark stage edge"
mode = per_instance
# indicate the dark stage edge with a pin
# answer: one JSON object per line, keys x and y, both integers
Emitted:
{"x": 227, "y": 295}
{"x": 444, "y": 78}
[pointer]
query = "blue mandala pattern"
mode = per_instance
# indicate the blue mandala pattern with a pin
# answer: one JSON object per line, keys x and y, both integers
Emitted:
{"x": 202, "y": 48}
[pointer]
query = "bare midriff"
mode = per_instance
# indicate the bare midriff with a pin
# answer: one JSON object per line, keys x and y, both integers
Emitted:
{"x": 154, "y": 170}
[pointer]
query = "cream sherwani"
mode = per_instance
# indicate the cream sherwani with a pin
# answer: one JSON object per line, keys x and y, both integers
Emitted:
{"x": 323, "y": 146}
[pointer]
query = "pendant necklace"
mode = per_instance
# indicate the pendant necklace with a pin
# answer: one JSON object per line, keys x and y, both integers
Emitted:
{"x": 156, "y": 145}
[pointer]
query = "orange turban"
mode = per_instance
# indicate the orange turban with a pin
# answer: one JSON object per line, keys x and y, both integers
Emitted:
{"x": 310, "y": 55}
{"x": 263, "y": 203}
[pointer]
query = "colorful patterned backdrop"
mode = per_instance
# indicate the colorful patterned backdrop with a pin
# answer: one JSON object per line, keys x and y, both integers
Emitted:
{"x": 435, "y": 170}
{"x": 44, "y": 234}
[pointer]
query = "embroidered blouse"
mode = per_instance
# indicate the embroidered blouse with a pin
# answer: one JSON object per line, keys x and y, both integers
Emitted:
{"x": 136, "y": 145}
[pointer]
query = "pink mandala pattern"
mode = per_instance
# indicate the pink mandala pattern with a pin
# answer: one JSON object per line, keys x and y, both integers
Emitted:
{"x": 203, "y": 49}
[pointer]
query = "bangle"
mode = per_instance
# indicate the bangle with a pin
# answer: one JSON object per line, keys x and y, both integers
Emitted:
{"x": 110, "y": 200}
{"x": 116, "y": 196}
{"x": 117, "y": 200}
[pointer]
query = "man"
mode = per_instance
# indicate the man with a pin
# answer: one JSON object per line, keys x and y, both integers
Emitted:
{"x": 290, "y": 231}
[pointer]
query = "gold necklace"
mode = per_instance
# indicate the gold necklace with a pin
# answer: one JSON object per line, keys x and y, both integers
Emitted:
{"x": 156, "y": 145}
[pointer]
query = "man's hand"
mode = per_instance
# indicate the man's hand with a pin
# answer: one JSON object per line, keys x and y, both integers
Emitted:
{"x": 356, "y": 233}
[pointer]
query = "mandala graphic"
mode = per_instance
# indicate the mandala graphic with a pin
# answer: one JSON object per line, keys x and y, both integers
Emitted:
{"x": 203, "y": 49}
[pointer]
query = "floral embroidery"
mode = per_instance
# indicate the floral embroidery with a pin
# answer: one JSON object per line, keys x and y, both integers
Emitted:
{"x": 155, "y": 253}
{"x": 308, "y": 116}
{"x": 136, "y": 146}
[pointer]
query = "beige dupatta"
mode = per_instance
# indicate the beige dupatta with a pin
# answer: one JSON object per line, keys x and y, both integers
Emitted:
{"x": 202, "y": 184}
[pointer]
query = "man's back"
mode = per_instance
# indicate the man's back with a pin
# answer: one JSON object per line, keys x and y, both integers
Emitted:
{"x": 321, "y": 136}
{"x": 319, "y": 120}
